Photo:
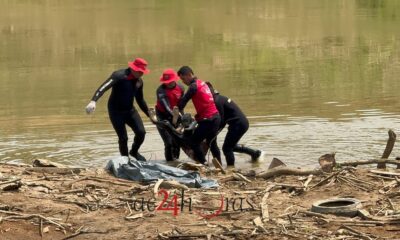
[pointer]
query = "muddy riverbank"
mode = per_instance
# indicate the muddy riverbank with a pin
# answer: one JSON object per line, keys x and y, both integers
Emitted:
{"x": 49, "y": 203}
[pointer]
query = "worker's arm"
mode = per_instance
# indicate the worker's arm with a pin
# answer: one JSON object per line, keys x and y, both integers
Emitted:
{"x": 112, "y": 80}
{"x": 162, "y": 97}
{"x": 140, "y": 99}
{"x": 187, "y": 96}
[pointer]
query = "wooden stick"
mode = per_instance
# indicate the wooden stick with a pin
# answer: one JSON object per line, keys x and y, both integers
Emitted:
{"x": 66, "y": 219}
{"x": 378, "y": 176}
{"x": 21, "y": 214}
{"x": 73, "y": 191}
{"x": 79, "y": 232}
{"x": 133, "y": 217}
{"x": 30, "y": 216}
{"x": 385, "y": 173}
{"x": 351, "y": 222}
{"x": 240, "y": 177}
{"x": 157, "y": 186}
{"x": 82, "y": 205}
{"x": 227, "y": 179}
{"x": 360, "y": 181}
{"x": 259, "y": 224}
{"x": 279, "y": 171}
{"x": 115, "y": 181}
{"x": 186, "y": 236}
{"x": 325, "y": 179}
{"x": 286, "y": 185}
{"x": 313, "y": 214}
{"x": 16, "y": 215}
{"x": 309, "y": 178}
{"x": 129, "y": 208}
{"x": 355, "y": 232}
{"x": 54, "y": 170}
{"x": 391, "y": 204}
{"x": 389, "y": 185}
{"x": 378, "y": 223}
{"x": 395, "y": 194}
{"x": 11, "y": 181}
{"x": 362, "y": 224}
{"x": 388, "y": 149}
{"x": 41, "y": 228}
{"x": 353, "y": 184}
{"x": 264, "y": 207}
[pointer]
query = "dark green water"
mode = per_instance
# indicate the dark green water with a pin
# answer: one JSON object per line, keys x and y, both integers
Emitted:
{"x": 314, "y": 76}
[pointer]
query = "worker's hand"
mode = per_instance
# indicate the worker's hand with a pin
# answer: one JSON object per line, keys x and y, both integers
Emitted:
{"x": 91, "y": 107}
{"x": 152, "y": 115}
{"x": 175, "y": 115}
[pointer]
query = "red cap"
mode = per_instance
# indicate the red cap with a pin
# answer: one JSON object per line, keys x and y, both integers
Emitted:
{"x": 169, "y": 75}
{"x": 139, "y": 65}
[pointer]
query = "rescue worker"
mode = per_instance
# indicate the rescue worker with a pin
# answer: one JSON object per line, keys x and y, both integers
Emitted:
{"x": 126, "y": 85}
{"x": 207, "y": 115}
{"x": 168, "y": 95}
{"x": 232, "y": 115}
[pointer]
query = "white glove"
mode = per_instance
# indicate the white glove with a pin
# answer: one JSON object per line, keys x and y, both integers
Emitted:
{"x": 91, "y": 107}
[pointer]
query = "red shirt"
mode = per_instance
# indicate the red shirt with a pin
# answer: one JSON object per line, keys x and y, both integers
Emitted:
{"x": 168, "y": 98}
{"x": 202, "y": 99}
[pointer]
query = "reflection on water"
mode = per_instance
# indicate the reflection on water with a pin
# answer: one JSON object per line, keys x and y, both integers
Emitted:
{"x": 313, "y": 76}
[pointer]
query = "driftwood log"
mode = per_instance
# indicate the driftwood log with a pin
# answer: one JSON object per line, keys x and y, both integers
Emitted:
{"x": 283, "y": 170}
{"x": 367, "y": 162}
{"x": 54, "y": 170}
{"x": 280, "y": 171}
{"x": 288, "y": 171}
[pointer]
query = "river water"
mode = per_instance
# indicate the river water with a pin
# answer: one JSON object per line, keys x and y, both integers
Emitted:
{"x": 313, "y": 76}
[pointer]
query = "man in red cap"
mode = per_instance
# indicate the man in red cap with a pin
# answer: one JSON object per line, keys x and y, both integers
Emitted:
{"x": 126, "y": 85}
{"x": 207, "y": 115}
{"x": 168, "y": 95}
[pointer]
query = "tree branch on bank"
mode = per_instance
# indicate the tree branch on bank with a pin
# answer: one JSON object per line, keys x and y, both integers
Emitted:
{"x": 367, "y": 162}
{"x": 279, "y": 171}
{"x": 388, "y": 149}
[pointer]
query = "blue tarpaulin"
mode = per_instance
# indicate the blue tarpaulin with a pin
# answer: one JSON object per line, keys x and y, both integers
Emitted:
{"x": 135, "y": 170}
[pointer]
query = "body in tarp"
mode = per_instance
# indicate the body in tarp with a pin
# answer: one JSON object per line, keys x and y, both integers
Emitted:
{"x": 147, "y": 172}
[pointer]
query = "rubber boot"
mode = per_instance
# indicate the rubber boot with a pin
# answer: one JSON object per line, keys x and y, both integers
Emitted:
{"x": 176, "y": 151}
{"x": 255, "y": 154}
{"x": 168, "y": 153}
{"x": 137, "y": 156}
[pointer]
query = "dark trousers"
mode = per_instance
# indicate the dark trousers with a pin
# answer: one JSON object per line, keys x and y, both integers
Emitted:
{"x": 134, "y": 121}
{"x": 208, "y": 130}
{"x": 171, "y": 147}
{"x": 237, "y": 128}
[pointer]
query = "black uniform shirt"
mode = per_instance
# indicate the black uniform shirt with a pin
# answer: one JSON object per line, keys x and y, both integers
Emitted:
{"x": 124, "y": 90}
{"x": 228, "y": 110}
